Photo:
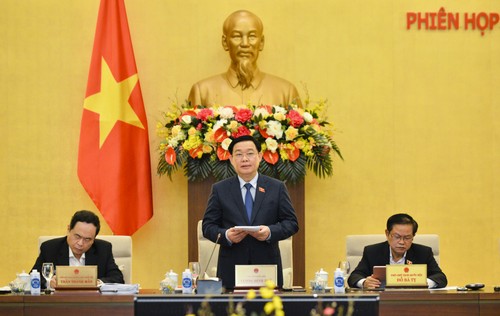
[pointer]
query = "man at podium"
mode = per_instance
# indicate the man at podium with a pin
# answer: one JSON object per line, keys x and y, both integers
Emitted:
{"x": 398, "y": 249}
{"x": 259, "y": 203}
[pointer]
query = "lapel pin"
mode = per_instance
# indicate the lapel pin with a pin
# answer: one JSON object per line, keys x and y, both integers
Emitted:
{"x": 261, "y": 189}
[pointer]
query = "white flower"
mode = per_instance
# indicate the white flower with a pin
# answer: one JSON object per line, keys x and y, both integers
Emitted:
{"x": 219, "y": 124}
{"x": 176, "y": 130}
{"x": 186, "y": 119}
{"x": 226, "y": 113}
{"x": 279, "y": 109}
{"x": 261, "y": 111}
{"x": 307, "y": 117}
{"x": 225, "y": 143}
{"x": 271, "y": 144}
{"x": 173, "y": 142}
{"x": 274, "y": 129}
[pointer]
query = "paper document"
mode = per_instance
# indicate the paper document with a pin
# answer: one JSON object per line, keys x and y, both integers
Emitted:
{"x": 117, "y": 288}
{"x": 248, "y": 228}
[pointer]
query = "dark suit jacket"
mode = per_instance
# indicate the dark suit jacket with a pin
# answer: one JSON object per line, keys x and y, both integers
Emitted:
{"x": 57, "y": 251}
{"x": 225, "y": 209}
{"x": 378, "y": 255}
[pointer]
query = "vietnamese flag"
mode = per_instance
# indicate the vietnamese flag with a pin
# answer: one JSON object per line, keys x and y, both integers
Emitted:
{"x": 113, "y": 158}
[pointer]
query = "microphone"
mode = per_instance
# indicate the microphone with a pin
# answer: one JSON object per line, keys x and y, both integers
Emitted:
{"x": 210, "y": 259}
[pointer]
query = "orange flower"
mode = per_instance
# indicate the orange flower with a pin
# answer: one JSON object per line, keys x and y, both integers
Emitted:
{"x": 222, "y": 154}
{"x": 271, "y": 157}
{"x": 196, "y": 152}
{"x": 293, "y": 154}
{"x": 170, "y": 156}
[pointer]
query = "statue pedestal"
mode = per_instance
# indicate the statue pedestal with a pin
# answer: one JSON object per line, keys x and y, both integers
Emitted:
{"x": 198, "y": 193}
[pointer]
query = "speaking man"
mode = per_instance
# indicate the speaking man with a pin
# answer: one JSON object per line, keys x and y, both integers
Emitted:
{"x": 248, "y": 199}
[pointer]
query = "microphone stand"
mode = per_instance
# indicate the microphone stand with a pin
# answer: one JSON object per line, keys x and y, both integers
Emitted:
{"x": 210, "y": 259}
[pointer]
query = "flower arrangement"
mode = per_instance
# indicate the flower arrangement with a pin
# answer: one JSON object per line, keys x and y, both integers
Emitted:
{"x": 293, "y": 139}
{"x": 273, "y": 306}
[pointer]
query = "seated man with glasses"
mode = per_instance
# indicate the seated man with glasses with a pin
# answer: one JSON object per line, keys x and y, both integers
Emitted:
{"x": 80, "y": 247}
{"x": 398, "y": 249}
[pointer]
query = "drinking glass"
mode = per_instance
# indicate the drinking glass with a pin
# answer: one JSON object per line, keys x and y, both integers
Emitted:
{"x": 195, "y": 269}
{"x": 345, "y": 267}
{"x": 47, "y": 273}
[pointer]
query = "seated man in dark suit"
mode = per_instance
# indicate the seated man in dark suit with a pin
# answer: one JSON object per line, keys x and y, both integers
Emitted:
{"x": 79, "y": 248}
{"x": 398, "y": 249}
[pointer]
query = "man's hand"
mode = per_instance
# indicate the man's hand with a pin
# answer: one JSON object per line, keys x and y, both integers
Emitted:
{"x": 371, "y": 283}
{"x": 262, "y": 234}
{"x": 236, "y": 235}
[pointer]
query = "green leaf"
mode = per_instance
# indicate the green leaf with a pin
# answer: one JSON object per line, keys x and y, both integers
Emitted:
{"x": 222, "y": 169}
{"x": 198, "y": 169}
{"x": 292, "y": 171}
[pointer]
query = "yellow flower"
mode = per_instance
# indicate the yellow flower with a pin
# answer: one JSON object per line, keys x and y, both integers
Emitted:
{"x": 268, "y": 308}
{"x": 209, "y": 136}
{"x": 291, "y": 132}
{"x": 270, "y": 284}
{"x": 251, "y": 294}
{"x": 279, "y": 116}
{"x": 278, "y": 304}
{"x": 266, "y": 292}
{"x": 233, "y": 126}
{"x": 300, "y": 143}
{"x": 262, "y": 124}
{"x": 193, "y": 141}
{"x": 207, "y": 149}
{"x": 284, "y": 154}
{"x": 192, "y": 131}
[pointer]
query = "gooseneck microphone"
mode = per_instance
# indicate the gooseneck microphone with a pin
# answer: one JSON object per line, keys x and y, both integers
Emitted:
{"x": 211, "y": 255}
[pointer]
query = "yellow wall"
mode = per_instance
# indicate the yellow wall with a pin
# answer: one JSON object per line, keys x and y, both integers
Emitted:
{"x": 416, "y": 112}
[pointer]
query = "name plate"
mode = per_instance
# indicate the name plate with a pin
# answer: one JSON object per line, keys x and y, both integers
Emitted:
{"x": 76, "y": 277}
{"x": 255, "y": 275}
{"x": 406, "y": 275}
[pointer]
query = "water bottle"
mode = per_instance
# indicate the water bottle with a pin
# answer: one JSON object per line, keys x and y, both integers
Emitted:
{"x": 35, "y": 283}
{"x": 338, "y": 281}
{"x": 187, "y": 282}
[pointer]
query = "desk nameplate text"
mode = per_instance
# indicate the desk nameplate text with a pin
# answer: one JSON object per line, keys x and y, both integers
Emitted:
{"x": 76, "y": 277}
{"x": 406, "y": 275}
{"x": 255, "y": 275}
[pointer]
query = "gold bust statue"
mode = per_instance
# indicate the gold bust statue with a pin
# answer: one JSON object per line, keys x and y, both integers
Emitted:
{"x": 243, "y": 82}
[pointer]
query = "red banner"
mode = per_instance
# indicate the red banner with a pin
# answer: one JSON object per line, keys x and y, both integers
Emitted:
{"x": 113, "y": 158}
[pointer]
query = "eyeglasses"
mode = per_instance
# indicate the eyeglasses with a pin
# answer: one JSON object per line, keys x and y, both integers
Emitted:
{"x": 403, "y": 238}
{"x": 85, "y": 240}
{"x": 250, "y": 155}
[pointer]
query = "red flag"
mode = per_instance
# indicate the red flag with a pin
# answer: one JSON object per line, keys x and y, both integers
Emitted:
{"x": 113, "y": 158}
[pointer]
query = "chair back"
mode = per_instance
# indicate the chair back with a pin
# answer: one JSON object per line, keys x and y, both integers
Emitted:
{"x": 122, "y": 252}
{"x": 355, "y": 244}
{"x": 205, "y": 248}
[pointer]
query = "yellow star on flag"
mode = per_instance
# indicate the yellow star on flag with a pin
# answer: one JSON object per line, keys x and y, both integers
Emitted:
{"x": 111, "y": 103}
